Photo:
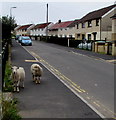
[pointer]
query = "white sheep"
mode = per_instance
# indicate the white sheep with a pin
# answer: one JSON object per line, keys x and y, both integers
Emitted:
{"x": 37, "y": 72}
{"x": 18, "y": 76}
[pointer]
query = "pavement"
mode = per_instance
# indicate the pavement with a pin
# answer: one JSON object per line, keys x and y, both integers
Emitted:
{"x": 51, "y": 98}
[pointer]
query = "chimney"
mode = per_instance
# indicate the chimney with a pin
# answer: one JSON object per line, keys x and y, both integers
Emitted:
{"x": 59, "y": 21}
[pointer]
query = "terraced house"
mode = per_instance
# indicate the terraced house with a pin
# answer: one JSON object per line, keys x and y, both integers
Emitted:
{"x": 40, "y": 30}
{"x": 96, "y": 25}
{"x": 24, "y": 29}
{"x": 113, "y": 27}
{"x": 62, "y": 29}
{"x": 114, "y": 34}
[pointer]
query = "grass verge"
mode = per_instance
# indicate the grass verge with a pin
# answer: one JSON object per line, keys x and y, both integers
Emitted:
{"x": 9, "y": 104}
{"x": 9, "y": 110}
{"x": 7, "y": 79}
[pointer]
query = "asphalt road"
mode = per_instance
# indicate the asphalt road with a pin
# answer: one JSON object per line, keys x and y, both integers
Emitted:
{"x": 51, "y": 98}
{"x": 90, "y": 76}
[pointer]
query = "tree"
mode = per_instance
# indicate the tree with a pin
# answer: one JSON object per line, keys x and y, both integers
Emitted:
{"x": 8, "y": 25}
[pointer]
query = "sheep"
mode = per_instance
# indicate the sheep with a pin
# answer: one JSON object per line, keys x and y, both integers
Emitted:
{"x": 37, "y": 72}
{"x": 18, "y": 76}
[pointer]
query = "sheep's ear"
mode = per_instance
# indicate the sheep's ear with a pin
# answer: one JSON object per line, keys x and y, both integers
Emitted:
{"x": 11, "y": 67}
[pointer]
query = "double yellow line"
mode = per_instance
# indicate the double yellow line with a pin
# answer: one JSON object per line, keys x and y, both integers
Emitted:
{"x": 60, "y": 75}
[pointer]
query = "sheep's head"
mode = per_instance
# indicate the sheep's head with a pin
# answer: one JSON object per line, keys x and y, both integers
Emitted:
{"x": 36, "y": 69}
{"x": 14, "y": 69}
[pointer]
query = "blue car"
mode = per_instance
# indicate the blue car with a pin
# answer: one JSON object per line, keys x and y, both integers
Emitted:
{"x": 17, "y": 37}
{"x": 25, "y": 40}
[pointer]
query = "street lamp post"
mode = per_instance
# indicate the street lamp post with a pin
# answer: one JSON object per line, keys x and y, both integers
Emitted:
{"x": 11, "y": 11}
{"x": 11, "y": 22}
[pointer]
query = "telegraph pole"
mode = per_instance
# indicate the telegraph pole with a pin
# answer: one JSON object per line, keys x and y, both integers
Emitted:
{"x": 47, "y": 23}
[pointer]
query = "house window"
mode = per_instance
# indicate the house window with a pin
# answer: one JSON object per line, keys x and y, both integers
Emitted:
{"x": 97, "y": 22}
{"x": 78, "y": 35}
{"x": 83, "y": 25}
{"x": 89, "y": 36}
{"x": 89, "y": 24}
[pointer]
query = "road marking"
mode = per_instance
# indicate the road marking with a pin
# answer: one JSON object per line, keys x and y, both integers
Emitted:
{"x": 60, "y": 75}
{"x": 95, "y": 58}
{"x": 96, "y": 104}
{"x": 67, "y": 82}
{"x": 31, "y": 61}
{"x": 76, "y": 89}
{"x": 111, "y": 60}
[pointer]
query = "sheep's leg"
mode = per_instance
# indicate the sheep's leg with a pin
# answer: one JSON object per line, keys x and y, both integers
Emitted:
{"x": 33, "y": 78}
{"x": 14, "y": 88}
{"x": 14, "y": 85}
{"x": 36, "y": 81}
{"x": 23, "y": 83}
{"x": 18, "y": 86}
{"x": 39, "y": 80}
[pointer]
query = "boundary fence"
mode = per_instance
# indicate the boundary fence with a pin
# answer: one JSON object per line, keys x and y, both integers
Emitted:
{"x": 4, "y": 55}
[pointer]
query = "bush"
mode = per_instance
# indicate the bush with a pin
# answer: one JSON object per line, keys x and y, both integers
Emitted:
{"x": 7, "y": 79}
{"x": 9, "y": 110}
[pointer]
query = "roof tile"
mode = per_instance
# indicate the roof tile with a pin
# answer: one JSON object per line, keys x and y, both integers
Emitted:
{"x": 97, "y": 14}
{"x": 61, "y": 25}
{"x": 39, "y": 26}
{"x": 24, "y": 27}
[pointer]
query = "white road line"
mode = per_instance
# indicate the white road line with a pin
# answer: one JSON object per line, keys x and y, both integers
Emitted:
{"x": 95, "y": 58}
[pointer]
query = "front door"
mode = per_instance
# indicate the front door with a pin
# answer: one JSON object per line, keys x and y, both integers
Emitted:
{"x": 94, "y": 35}
{"x": 83, "y": 36}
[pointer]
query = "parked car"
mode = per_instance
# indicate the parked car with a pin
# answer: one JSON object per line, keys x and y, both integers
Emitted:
{"x": 25, "y": 40}
{"x": 17, "y": 37}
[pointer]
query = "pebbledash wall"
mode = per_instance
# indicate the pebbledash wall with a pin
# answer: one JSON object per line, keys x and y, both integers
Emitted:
{"x": 39, "y": 31}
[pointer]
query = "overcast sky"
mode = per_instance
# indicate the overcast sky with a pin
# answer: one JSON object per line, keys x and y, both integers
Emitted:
{"x": 35, "y": 12}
